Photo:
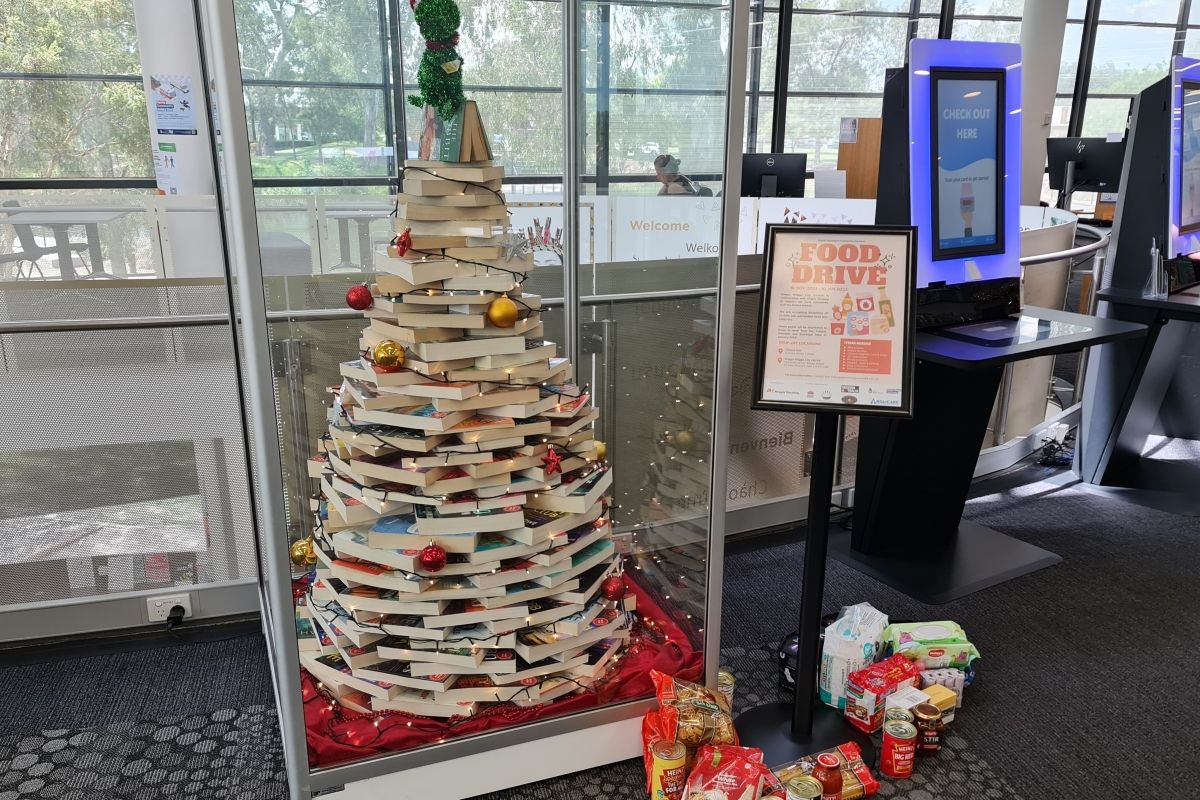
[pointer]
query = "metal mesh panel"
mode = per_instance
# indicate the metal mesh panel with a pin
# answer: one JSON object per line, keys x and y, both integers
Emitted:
{"x": 124, "y": 461}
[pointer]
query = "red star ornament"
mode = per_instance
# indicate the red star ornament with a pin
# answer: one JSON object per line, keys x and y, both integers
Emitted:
{"x": 553, "y": 461}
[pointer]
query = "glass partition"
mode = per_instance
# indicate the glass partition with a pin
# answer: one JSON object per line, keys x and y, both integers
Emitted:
{"x": 470, "y": 523}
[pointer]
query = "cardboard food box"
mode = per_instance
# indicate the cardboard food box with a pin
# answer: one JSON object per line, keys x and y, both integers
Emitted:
{"x": 868, "y": 689}
{"x": 945, "y": 699}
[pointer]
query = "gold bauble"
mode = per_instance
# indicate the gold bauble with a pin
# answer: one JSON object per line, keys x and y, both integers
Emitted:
{"x": 503, "y": 312}
{"x": 685, "y": 439}
{"x": 301, "y": 552}
{"x": 601, "y": 450}
{"x": 388, "y": 355}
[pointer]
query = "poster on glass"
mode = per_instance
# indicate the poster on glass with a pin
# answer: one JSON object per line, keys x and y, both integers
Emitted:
{"x": 836, "y": 323}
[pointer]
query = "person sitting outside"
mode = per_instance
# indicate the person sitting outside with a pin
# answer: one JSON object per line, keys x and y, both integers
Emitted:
{"x": 666, "y": 170}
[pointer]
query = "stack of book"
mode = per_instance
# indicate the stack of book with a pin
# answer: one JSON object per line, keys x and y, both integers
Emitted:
{"x": 463, "y": 543}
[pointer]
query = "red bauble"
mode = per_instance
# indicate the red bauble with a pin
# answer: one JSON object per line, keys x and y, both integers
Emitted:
{"x": 359, "y": 297}
{"x": 613, "y": 587}
{"x": 432, "y": 558}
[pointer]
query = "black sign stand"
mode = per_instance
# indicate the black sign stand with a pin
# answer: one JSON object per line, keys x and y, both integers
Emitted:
{"x": 786, "y": 731}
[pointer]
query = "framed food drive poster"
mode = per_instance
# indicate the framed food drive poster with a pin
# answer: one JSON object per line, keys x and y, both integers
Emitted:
{"x": 835, "y": 329}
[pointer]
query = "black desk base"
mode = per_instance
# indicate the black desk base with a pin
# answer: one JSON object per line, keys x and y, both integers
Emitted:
{"x": 976, "y": 559}
{"x": 1161, "y": 485}
{"x": 769, "y": 727}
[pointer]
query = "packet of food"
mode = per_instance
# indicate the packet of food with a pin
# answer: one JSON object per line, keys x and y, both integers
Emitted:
{"x": 654, "y": 729}
{"x": 726, "y": 772}
{"x": 701, "y": 715}
{"x": 935, "y": 644}
{"x": 852, "y": 641}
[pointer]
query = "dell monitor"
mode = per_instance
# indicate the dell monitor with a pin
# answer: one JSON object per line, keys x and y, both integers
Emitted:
{"x": 1097, "y": 162}
{"x": 774, "y": 174}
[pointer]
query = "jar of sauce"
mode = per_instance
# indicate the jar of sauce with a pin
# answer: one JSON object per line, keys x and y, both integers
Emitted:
{"x": 829, "y": 773}
{"x": 928, "y": 719}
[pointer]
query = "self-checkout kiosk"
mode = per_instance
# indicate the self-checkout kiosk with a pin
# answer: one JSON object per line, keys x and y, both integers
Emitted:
{"x": 1136, "y": 388}
{"x": 950, "y": 164}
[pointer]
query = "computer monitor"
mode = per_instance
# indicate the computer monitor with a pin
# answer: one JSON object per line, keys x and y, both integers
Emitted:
{"x": 1189, "y": 158}
{"x": 1098, "y": 163}
{"x": 774, "y": 174}
{"x": 967, "y": 156}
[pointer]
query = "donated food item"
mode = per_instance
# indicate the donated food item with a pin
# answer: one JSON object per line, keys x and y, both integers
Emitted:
{"x": 929, "y": 729}
{"x": 868, "y": 689}
{"x": 901, "y": 714}
{"x": 905, "y": 698}
{"x": 952, "y": 679}
{"x": 668, "y": 770}
{"x": 726, "y": 772}
{"x": 829, "y": 772}
{"x": 699, "y": 715}
{"x": 944, "y": 699}
{"x": 934, "y": 644}
{"x": 654, "y": 733}
{"x": 852, "y": 642}
{"x": 804, "y": 788}
{"x": 899, "y": 749}
{"x": 726, "y": 683}
{"x": 857, "y": 780}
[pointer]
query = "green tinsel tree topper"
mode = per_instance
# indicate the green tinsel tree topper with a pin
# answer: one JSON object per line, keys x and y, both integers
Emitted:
{"x": 440, "y": 75}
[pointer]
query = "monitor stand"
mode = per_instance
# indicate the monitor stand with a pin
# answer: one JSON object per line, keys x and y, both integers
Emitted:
{"x": 1064, "y": 197}
{"x": 768, "y": 187}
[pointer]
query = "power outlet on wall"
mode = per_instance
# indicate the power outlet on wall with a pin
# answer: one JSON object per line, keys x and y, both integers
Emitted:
{"x": 158, "y": 608}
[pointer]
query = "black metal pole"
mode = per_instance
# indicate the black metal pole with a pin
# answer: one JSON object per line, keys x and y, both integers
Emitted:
{"x": 1181, "y": 27}
{"x": 820, "y": 495}
{"x": 394, "y": 64}
{"x": 783, "y": 58}
{"x": 603, "y": 96}
{"x": 757, "y": 17}
{"x": 1083, "y": 72}
{"x": 946, "y": 20}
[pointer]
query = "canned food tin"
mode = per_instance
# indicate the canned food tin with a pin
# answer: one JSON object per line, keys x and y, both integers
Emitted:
{"x": 899, "y": 714}
{"x": 804, "y": 788}
{"x": 668, "y": 770}
{"x": 726, "y": 683}
{"x": 899, "y": 749}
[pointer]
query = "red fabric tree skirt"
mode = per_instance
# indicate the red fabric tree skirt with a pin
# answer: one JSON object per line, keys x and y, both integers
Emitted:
{"x": 337, "y": 735}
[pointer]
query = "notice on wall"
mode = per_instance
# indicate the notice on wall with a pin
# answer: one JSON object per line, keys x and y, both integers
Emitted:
{"x": 174, "y": 105}
{"x": 836, "y": 325}
{"x": 166, "y": 168}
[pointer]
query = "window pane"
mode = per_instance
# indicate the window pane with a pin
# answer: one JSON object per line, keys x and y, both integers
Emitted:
{"x": 1076, "y": 9}
{"x": 73, "y": 129}
{"x": 979, "y": 30}
{"x": 1104, "y": 117}
{"x": 641, "y": 126}
{"x": 1072, "y": 39}
{"x": 927, "y": 28}
{"x": 762, "y": 139}
{"x": 316, "y": 132}
{"x": 931, "y": 7}
{"x": 1061, "y": 116}
{"x": 836, "y": 52}
{"x": 770, "y": 34}
{"x": 1128, "y": 59}
{"x": 813, "y": 125}
{"x": 1191, "y": 45}
{"x": 663, "y": 47}
{"x": 987, "y": 8}
{"x": 1140, "y": 10}
{"x": 851, "y": 6}
{"x": 314, "y": 40}
{"x": 525, "y": 129}
{"x": 57, "y": 38}
{"x": 502, "y": 43}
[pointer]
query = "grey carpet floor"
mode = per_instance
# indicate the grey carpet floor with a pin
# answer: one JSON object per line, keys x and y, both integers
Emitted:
{"x": 1085, "y": 687}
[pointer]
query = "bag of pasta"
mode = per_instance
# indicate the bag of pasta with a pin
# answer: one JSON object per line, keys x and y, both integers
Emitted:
{"x": 701, "y": 715}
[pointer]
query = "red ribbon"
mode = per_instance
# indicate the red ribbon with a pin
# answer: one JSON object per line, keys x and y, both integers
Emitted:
{"x": 445, "y": 44}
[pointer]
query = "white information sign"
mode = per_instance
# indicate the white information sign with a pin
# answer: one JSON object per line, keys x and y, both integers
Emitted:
{"x": 836, "y": 325}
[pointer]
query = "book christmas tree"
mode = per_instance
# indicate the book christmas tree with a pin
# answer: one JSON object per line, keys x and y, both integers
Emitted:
{"x": 463, "y": 552}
